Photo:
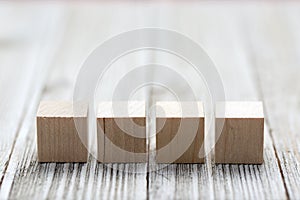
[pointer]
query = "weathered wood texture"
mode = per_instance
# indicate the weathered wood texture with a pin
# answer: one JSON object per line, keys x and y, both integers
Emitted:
{"x": 256, "y": 49}
{"x": 223, "y": 181}
{"x": 276, "y": 73}
{"x": 91, "y": 180}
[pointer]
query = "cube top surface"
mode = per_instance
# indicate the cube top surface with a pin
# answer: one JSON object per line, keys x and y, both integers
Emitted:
{"x": 62, "y": 109}
{"x": 239, "y": 110}
{"x": 174, "y": 109}
{"x": 122, "y": 109}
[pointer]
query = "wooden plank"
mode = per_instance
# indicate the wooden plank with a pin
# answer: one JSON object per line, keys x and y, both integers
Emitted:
{"x": 274, "y": 54}
{"x": 242, "y": 180}
{"x": 25, "y": 177}
{"x": 227, "y": 51}
{"x": 21, "y": 57}
{"x": 180, "y": 181}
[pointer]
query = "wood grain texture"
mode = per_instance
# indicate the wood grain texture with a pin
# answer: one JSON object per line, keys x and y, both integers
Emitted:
{"x": 58, "y": 127}
{"x": 223, "y": 181}
{"x": 241, "y": 139}
{"x": 258, "y": 44}
{"x": 276, "y": 72}
{"x": 24, "y": 176}
{"x": 179, "y": 132}
{"x": 31, "y": 51}
{"x": 122, "y": 131}
{"x": 239, "y": 180}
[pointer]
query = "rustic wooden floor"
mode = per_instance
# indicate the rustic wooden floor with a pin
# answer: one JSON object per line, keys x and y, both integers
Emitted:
{"x": 256, "y": 47}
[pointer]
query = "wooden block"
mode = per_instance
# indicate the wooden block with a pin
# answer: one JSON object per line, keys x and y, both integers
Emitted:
{"x": 242, "y": 136}
{"x": 57, "y": 137}
{"x": 124, "y": 127}
{"x": 179, "y": 132}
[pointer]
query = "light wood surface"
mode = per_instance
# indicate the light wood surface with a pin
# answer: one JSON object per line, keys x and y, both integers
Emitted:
{"x": 241, "y": 136}
{"x": 58, "y": 129}
{"x": 254, "y": 45}
{"x": 179, "y": 132}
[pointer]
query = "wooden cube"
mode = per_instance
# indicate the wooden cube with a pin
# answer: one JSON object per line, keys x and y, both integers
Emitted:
{"x": 121, "y": 130}
{"x": 57, "y": 136}
{"x": 242, "y": 137}
{"x": 179, "y": 132}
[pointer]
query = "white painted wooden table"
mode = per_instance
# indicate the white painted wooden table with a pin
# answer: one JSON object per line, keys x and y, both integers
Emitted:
{"x": 256, "y": 47}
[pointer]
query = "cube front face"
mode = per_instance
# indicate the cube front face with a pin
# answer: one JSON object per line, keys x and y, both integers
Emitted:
{"x": 179, "y": 132}
{"x": 122, "y": 139}
{"x": 58, "y": 140}
{"x": 181, "y": 138}
{"x": 241, "y": 140}
{"x": 122, "y": 143}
